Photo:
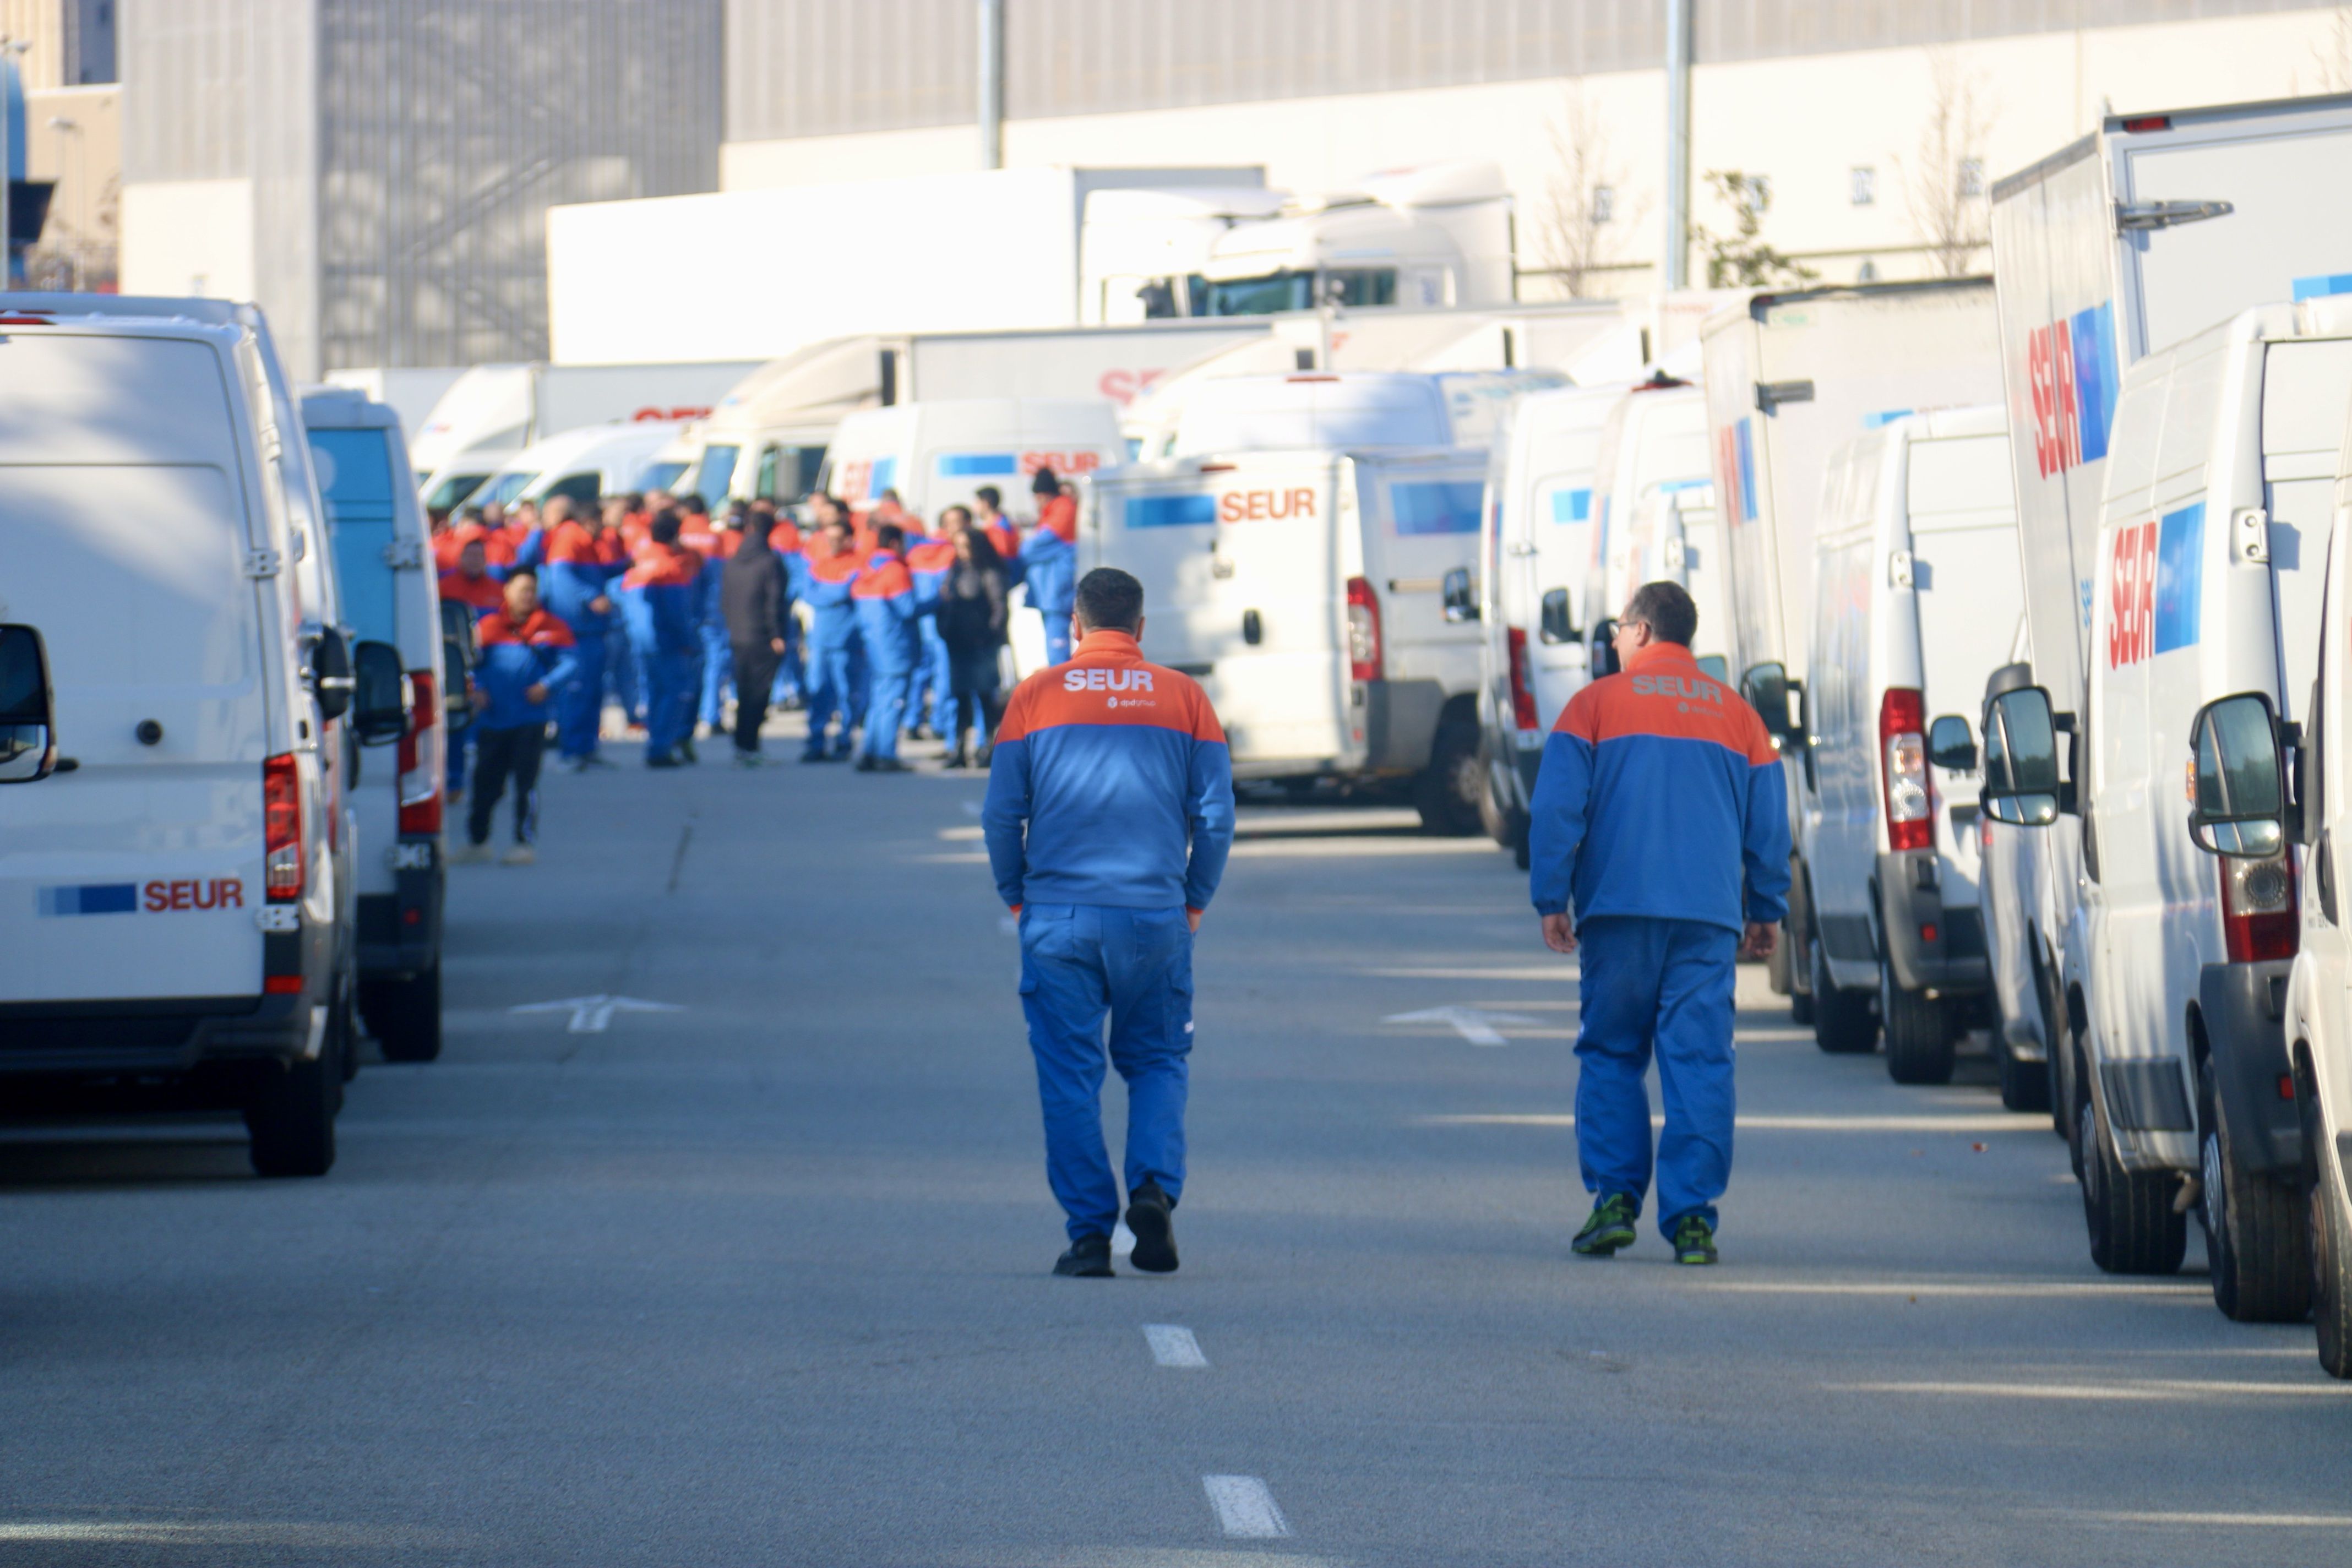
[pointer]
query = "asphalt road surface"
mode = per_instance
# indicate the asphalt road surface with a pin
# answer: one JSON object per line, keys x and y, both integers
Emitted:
{"x": 763, "y": 1280}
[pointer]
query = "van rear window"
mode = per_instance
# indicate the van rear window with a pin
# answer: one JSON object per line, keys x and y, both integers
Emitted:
{"x": 1436, "y": 506}
{"x": 355, "y": 477}
{"x": 66, "y": 398}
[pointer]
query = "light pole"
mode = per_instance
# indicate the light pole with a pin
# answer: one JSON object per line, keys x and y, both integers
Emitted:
{"x": 12, "y": 87}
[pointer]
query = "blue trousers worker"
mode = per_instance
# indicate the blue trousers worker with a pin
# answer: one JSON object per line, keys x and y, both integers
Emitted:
{"x": 1078, "y": 964}
{"x": 938, "y": 671}
{"x": 717, "y": 670}
{"x": 671, "y": 687}
{"x": 885, "y": 709}
{"x": 1660, "y": 813}
{"x": 579, "y": 706}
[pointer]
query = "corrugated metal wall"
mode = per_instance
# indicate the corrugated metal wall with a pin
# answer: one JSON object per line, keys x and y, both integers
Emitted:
{"x": 404, "y": 152}
{"x": 816, "y": 67}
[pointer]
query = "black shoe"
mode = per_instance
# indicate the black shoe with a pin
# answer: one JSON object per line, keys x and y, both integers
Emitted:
{"x": 1151, "y": 1215}
{"x": 865, "y": 764}
{"x": 661, "y": 759}
{"x": 814, "y": 757}
{"x": 686, "y": 750}
{"x": 885, "y": 765}
{"x": 1088, "y": 1258}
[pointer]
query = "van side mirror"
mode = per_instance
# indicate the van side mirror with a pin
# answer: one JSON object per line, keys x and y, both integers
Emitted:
{"x": 1951, "y": 745}
{"x": 1559, "y": 626}
{"x": 2020, "y": 760}
{"x": 1461, "y": 600}
{"x": 1769, "y": 691}
{"x": 457, "y": 629}
{"x": 1603, "y": 659}
{"x": 457, "y": 701}
{"x": 330, "y": 674}
{"x": 380, "y": 694}
{"x": 2239, "y": 806}
{"x": 28, "y": 730}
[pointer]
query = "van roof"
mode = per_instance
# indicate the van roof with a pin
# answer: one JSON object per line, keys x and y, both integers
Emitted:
{"x": 331, "y": 407}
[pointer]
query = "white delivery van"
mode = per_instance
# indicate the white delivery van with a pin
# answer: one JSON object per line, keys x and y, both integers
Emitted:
{"x": 177, "y": 888}
{"x": 1535, "y": 545}
{"x": 2150, "y": 228}
{"x": 587, "y": 464}
{"x": 2008, "y": 860}
{"x": 2262, "y": 797}
{"x": 2219, "y": 498}
{"x": 1915, "y": 603}
{"x": 936, "y": 454}
{"x": 390, "y": 597}
{"x": 1654, "y": 444}
{"x": 1791, "y": 377}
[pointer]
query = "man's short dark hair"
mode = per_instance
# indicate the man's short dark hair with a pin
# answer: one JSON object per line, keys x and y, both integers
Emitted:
{"x": 890, "y": 536}
{"x": 1666, "y": 609}
{"x": 530, "y": 572}
{"x": 1109, "y": 600}
{"x": 991, "y": 495}
{"x": 665, "y": 526}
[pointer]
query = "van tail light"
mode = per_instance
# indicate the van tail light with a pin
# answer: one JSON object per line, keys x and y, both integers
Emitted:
{"x": 1364, "y": 631}
{"x": 282, "y": 829}
{"x": 1903, "y": 753}
{"x": 1523, "y": 697}
{"x": 2258, "y": 909}
{"x": 423, "y": 759}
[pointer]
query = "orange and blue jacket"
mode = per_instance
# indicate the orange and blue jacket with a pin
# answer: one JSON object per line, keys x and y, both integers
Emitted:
{"x": 481, "y": 594}
{"x": 661, "y": 600}
{"x": 514, "y": 658}
{"x": 575, "y": 571}
{"x": 1659, "y": 797}
{"x": 929, "y": 563}
{"x": 826, "y": 585}
{"x": 1049, "y": 557}
{"x": 887, "y": 609}
{"x": 1110, "y": 783}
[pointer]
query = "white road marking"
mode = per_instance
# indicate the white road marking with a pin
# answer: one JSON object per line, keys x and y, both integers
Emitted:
{"x": 593, "y": 1014}
{"x": 960, "y": 835}
{"x": 2220, "y": 1521}
{"x": 2019, "y": 1123}
{"x": 2105, "y": 1288}
{"x": 1122, "y": 1241}
{"x": 1474, "y": 1024}
{"x": 1551, "y": 974}
{"x": 972, "y": 808}
{"x": 1173, "y": 1346}
{"x": 2150, "y": 1389}
{"x": 1244, "y": 1507}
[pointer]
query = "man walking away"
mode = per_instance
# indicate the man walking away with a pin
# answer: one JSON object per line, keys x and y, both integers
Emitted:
{"x": 929, "y": 562}
{"x": 661, "y": 601}
{"x": 578, "y": 572}
{"x": 527, "y": 655}
{"x": 1109, "y": 815}
{"x": 753, "y": 598}
{"x": 989, "y": 518}
{"x": 971, "y": 620}
{"x": 1659, "y": 789}
{"x": 886, "y": 611}
{"x": 1049, "y": 561}
{"x": 832, "y": 574}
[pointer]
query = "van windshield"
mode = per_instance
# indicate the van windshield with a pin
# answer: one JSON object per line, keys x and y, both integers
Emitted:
{"x": 452, "y": 491}
{"x": 713, "y": 473}
{"x": 661, "y": 476}
{"x": 504, "y": 489}
{"x": 355, "y": 479}
{"x": 1296, "y": 291}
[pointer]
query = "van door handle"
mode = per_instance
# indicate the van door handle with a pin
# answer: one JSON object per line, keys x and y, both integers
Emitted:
{"x": 1252, "y": 628}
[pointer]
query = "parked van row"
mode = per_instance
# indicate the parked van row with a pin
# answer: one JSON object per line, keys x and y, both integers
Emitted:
{"x": 222, "y": 679}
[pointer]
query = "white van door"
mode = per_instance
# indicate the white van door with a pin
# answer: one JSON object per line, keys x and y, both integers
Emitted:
{"x": 1272, "y": 627}
{"x": 1559, "y": 539}
{"x": 1420, "y": 522}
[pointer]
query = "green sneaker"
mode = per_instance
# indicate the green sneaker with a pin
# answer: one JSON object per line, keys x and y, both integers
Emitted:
{"x": 1610, "y": 1226}
{"x": 1693, "y": 1240}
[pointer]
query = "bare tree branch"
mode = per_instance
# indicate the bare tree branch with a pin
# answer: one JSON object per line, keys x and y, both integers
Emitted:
{"x": 1586, "y": 215}
{"x": 1944, "y": 183}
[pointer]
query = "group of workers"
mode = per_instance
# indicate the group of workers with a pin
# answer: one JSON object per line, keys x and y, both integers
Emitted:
{"x": 650, "y": 602}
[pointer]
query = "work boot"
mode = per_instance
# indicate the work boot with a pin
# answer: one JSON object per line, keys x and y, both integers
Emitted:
{"x": 746, "y": 758}
{"x": 1693, "y": 1241}
{"x": 661, "y": 759}
{"x": 1087, "y": 1258}
{"x": 520, "y": 855}
{"x": 865, "y": 764}
{"x": 885, "y": 765}
{"x": 686, "y": 750}
{"x": 1610, "y": 1227}
{"x": 1151, "y": 1216}
{"x": 961, "y": 757}
{"x": 470, "y": 854}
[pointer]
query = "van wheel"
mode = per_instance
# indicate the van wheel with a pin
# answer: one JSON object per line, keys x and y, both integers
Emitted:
{"x": 1919, "y": 1045}
{"x": 291, "y": 1115}
{"x": 2331, "y": 1255}
{"x": 1781, "y": 969}
{"x": 2128, "y": 1213}
{"x": 2024, "y": 1084}
{"x": 405, "y": 1016}
{"x": 1494, "y": 817}
{"x": 1842, "y": 1025}
{"x": 1448, "y": 793}
{"x": 2256, "y": 1238}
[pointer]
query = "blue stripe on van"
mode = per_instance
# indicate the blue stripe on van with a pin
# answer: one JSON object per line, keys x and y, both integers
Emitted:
{"x": 1437, "y": 506}
{"x": 2179, "y": 563}
{"x": 964, "y": 465}
{"x": 1171, "y": 511}
{"x": 1743, "y": 442}
{"x": 1885, "y": 418}
{"x": 92, "y": 899}
{"x": 2096, "y": 380}
{"x": 1571, "y": 506}
{"x": 2320, "y": 288}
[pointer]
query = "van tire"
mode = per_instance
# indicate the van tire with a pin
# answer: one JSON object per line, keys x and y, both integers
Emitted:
{"x": 1496, "y": 817}
{"x": 2129, "y": 1213}
{"x": 2024, "y": 1084}
{"x": 2256, "y": 1228}
{"x": 2331, "y": 1252}
{"x": 290, "y": 1114}
{"x": 1920, "y": 1043}
{"x": 1843, "y": 1023}
{"x": 405, "y": 1016}
{"x": 1780, "y": 968}
{"x": 1448, "y": 791}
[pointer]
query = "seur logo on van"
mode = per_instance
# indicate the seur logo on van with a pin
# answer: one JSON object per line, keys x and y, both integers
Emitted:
{"x": 158, "y": 897}
{"x": 2070, "y": 370}
{"x": 2154, "y": 586}
{"x": 1241, "y": 506}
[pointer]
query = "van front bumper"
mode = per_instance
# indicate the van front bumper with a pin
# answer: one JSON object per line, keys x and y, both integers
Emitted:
{"x": 2244, "y": 1009}
{"x": 1929, "y": 946}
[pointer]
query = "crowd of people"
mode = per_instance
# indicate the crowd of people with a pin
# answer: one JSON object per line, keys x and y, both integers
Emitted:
{"x": 874, "y": 625}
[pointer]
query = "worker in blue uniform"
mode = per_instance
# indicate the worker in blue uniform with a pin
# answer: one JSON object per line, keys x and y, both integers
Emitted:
{"x": 888, "y": 611}
{"x": 661, "y": 604}
{"x": 1108, "y": 819}
{"x": 1659, "y": 814}
{"x": 825, "y": 584}
{"x": 575, "y": 583}
{"x": 1049, "y": 561}
{"x": 528, "y": 656}
{"x": 931, "y": 697}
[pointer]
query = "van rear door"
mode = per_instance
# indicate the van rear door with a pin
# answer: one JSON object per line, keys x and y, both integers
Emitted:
{"x": 1272, "y": 625}
{"x": 124, "y": 527}
{"x": 1421, "y": 521}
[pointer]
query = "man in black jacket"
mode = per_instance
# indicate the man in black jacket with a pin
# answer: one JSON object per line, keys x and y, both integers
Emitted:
{"x": 752, "y": 600}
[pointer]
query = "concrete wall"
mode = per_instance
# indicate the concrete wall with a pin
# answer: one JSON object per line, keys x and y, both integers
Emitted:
{"x": 196, "y": 238}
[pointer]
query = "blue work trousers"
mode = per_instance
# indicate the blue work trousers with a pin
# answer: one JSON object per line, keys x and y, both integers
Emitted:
{"x": 1077, "y": 962}
{"x": 625, "y": 676}
{"x": 885, "y": 709}
{"x": 718, "y": 670}
{"x": 833, "y": 690}
{"x": 938, "y": 671}
{"x": 1058, "y": 636}
{"x": 579, "y": 706}
{"x": 1662, "y": 987}
{"x": 670, "y": 686}
{"x": 787, "y": 686}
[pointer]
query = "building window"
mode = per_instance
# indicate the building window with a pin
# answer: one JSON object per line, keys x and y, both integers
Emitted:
{"x": 1862, "y": 185}
{"x": 1867, "y": 272}
{"x": 1972, "y": 176}
{"x": 1604, "y": 203}
{"x": 1756, "y": 193}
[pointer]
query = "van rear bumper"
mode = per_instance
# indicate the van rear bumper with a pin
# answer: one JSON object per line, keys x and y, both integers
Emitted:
{"x": 400, "y": 931}
{"x": 1911, "y": 906}
{"x": 1400, "y": 724}
{"x": 159, "y": 1034}
{"x": 2244, "y": 1009}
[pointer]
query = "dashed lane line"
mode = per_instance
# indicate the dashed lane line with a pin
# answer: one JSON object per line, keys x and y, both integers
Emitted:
{"x": 1245, "y": 1508}
{"x": 1173, "y": 1346}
